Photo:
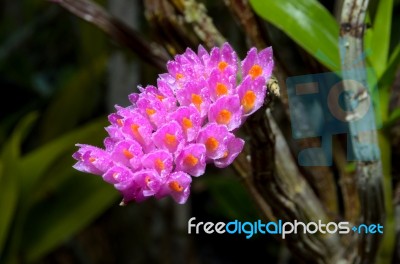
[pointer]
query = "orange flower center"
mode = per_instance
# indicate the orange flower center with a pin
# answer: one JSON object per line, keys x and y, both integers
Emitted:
{"x": 170, "y": 139}
{"x": 127, "y": 154}
{"x": 150, "y": 111}
{"x": 197, "y": 100}
{"x": 119, "y": 122}
{"x": 212, "y": 144}
{"x": 224, "y": 117}
{"x": 175, "y": 186}
{"x": 91, "y": 159}
{"x": 147, "y": 180}
{"x": 159, "y": 164}
{"x": 190, "y": 160}
{"x": 222, "y": 65}
{"x": 187, "y": 123}
{"x": 135, "y": 131}
{"x": 248, "y": 101}
{"x": 160, "y": 97}
{"x": 179, "y": 76}
{"x": 255, "y": 71}
{"x": 221, "y": 89}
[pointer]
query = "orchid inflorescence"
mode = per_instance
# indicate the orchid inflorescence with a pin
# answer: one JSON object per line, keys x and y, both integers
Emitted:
{"x": 171, "y": 131}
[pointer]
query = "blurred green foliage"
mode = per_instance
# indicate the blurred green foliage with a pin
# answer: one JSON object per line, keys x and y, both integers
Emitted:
{"x": 316, "y": 30}
{"x": 53, "y": 75}
{"x": 55, "y": 68}
{"x": 310, "y": 25}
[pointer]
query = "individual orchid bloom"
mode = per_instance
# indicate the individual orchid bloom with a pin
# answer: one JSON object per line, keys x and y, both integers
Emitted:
{"x": 251, "y": 95}
{"x": 114, "y": 129}
{"x": 142, "y": 185}
{"x": 159, "y": 160}
{"x": 129, "y": 123}
{"x": 171, "y": 131}
{"x": 118, "y": 173}
{"x": 234, "y": 147}
{"x": 167, "y": 91}
{"x": 128, "y": 153}
{"x": 185, "y": 68}
{"x": 213, "y": 136}
{"x": 192, "y": 160}
{"x": 192, "y": 60}
{"x": 137, "y": 128}
{"x": 91, "y": 159}
{"x": 189, "y": 119}
{"x": 195, "y": 93}
{"x": 221, "y": 85}
{"x": 224, "y": 59}
{"x": 154, "y": 110}
{"x": 169, "y": 137}
{"x": 181, "y": 69}
{"x": 176, "y": 185}
{"x": 149, "y": 183}
{"x": 226, "y": 111}
{"x": 151, "y": 92}
{"x": 124, "y": 112}
{"x": 259, "y": 64}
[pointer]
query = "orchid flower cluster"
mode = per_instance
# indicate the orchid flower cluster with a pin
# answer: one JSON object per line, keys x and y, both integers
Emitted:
{"x": 170, "y": 132}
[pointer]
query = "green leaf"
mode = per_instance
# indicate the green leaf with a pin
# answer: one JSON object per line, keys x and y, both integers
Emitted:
{"x": 63, "y": 213}
{"x": 37, "y": 178}
{"x": 385, "y": 84}
{"x": 35, "y": 164}
{"x": 76, "y": 100}
{"x": 388, "y": 76}
{"x": 308, "y": 23}
{"x": 9, "y": 176}
{"x": 8, "y": 201}
{"x": 380, "y": 36}
{"x": 393, "y": 118}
